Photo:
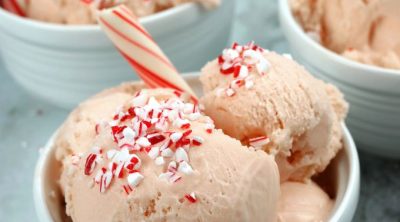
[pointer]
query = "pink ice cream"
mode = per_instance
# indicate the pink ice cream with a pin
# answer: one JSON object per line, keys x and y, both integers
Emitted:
{"x": 301, "y": 202}
{"x": 79, "y": 12}
{"x": 270, "y": 102}
{"x": 364, "y": 31}
{"x": 157, "y": 158}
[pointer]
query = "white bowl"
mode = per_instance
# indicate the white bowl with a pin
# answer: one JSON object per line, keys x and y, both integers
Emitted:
{"x": 373, "y": 92}
{"x": 66, "y": 64}
{"x": 343, "y": 176}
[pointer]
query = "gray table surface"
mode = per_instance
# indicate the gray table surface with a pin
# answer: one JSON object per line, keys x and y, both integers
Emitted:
{"x": 26, "y": 123}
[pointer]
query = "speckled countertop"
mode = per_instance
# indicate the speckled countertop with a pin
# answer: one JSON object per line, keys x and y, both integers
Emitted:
{"x": 26, "y": 124}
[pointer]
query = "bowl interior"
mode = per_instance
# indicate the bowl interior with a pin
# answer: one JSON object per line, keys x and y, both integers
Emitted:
{"x": 340, "y": 180}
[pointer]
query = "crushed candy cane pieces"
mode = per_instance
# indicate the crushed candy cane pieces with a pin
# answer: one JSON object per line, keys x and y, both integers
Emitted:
{"x": 159, "y": 129}
{"x": 238, "y": 61}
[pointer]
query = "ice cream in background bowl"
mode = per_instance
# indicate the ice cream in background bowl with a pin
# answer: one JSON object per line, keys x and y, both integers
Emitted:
{"x": 65, "y": 64}
{"x": 358, "y": 52}
{"x": 79, "y": 12}
{"x": 364, "y": 31}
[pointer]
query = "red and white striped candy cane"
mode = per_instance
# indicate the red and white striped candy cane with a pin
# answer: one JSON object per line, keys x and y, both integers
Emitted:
{"x": 17, "y": 7}
{"x": 140, "y": 50}
{"x": 102, "y": 4}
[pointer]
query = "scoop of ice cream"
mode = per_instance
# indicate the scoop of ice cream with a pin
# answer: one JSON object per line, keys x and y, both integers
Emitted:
{"x": 365, "y": 31}
{"x": 158, "y": 158}
{"x": 301, "y": 202}
{"x": 269, "y": 101}
{"x": 82, "y": 12}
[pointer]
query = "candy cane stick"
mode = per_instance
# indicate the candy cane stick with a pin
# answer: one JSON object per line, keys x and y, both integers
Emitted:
{"x": 139, "y": 49}
{"x": 17, "y": 7}
{"x": 101, "y": 4}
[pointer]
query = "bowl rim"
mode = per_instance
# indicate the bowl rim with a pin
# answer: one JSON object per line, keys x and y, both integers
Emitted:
{"x": 42, "y": 211}
{"x": 287, "y": 14}
{"x": 350, "y": 195}
{"x": 352, "y": 191}
{"x": 153, "y": 18}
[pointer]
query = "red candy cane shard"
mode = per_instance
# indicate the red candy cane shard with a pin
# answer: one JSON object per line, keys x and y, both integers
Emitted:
{"x": 259, "y": 141}
{"x": 191, "y": 197}
{"x": 139, "y": 49}
{"x": 90, "y": 163}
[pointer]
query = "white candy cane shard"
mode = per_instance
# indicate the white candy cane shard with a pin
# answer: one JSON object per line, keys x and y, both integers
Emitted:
{"x": 143, "y": 142}
{"x": 249, "y": 84}
{"x": 107, "y": 179}
{"x": 98, "y": 176}
{"x": 181, "y": 155}
{"x": 153, "y": 102}
{"x": 185, "y": 168}
{"x": 230, "y": 92}
{"x": 174, "y": 178}
{"x": 172, "y": 166}
{"x": 194, "y": 116}
{"x": 154, "y": 152}
{"x": 129, "y": 134}
{"x": 140, "y": 100}
{"x": 134, "y": 179}
{"x": 111, "y": 154}
{"x": 176, "y": 136}
{"x": 159, "y": 161}
{"x": 167, "y": 152}
{"x": 244, "y": 72}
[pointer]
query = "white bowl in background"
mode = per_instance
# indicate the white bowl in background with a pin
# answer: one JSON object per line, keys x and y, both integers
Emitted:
{"x": 66, "y": 64}
{"x": 343, "y": 176}
{"x": 373, "y": 92}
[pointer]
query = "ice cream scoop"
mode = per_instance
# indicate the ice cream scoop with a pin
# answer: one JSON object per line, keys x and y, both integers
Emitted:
{"x": 365, "y": 31}
{"x": 84, "y": 11}
{"x": 301, "y": 202}
{"x": 270, "y": 102}
{"x": 148, "y": 155}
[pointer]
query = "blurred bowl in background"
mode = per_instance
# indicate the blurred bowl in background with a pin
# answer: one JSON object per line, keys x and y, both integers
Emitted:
{"x": 373, "y": 92}
{"x": 65, "y": 64}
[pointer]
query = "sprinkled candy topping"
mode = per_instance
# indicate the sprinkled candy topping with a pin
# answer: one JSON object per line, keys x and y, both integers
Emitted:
{"x": 159, "y": 129}
{"x": 239, "y": 61}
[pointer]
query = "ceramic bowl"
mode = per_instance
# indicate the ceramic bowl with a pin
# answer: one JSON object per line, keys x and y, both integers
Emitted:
{"x": 342, "y": 177}
{"x": 373, "y": 92}
{"x": 66, "y": 64}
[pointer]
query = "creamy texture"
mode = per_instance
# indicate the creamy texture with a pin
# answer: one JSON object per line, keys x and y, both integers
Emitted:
{"x": 77, "y": 12}
{"x": 299, "y": 114}
{"x": 364, "y": 31}
{"x": 301, "y": 202}
{"x": 231, "y": 182}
